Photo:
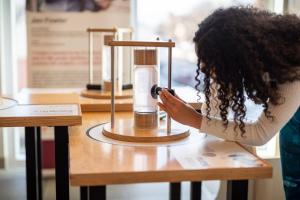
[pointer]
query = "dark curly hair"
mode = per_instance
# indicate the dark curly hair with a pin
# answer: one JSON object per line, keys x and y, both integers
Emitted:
{"x": 246, "y": 51}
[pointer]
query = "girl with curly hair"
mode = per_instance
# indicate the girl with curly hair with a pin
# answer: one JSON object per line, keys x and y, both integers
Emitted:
{"x": 248, "y": 53}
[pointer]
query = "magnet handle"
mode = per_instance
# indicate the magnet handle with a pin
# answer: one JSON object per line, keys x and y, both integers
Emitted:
{"x": 155, "y": 89}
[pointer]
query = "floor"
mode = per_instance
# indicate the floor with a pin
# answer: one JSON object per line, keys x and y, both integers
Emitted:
{"x": 13, "y": 187}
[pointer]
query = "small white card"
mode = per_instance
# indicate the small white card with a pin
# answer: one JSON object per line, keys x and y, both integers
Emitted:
{"x": 56, "y": 110}
{"x": 41, "y": 110}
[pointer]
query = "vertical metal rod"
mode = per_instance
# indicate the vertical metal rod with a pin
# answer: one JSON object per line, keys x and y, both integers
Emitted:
{"x": 119, "y": 65}
{"x": 91, "y": 67}
{"x": 286, "y": 7}
{"x": 169, "y": 83}
{"x": 131, "y": 61}
{"x": 112, "y": 74}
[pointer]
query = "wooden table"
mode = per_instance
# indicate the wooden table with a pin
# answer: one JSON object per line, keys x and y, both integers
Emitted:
{"x": 94, "y": 164}
{"x": 32, "y": 117}
{"x": 61, "y": 96}
{"x": 67, "y": 96}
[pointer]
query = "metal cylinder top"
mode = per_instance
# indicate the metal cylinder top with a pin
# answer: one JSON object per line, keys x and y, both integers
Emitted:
{"x": 108, "y": 38}
{"x": 145, "y": 57}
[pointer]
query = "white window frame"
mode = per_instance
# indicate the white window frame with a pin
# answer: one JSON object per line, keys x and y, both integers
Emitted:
{"x": 8, "y": 78}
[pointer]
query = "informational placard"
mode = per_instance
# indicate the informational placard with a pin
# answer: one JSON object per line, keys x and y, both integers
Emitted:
{"x": 58, "y": 40}
{"x": 215, "y": 153}
{"x": 41, "y": 110}
{"x": 41, "y": 115}
{"x": 53, "y": 110}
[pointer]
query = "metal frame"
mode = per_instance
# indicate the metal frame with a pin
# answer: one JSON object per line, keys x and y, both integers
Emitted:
{"x": 114, "y": 44}
{"x": 112, "y": 73}
{"x": 91, "y": 58}
{"x": 116, "y": 31}
{"x": 91, "y": 48}
{"x": 169, "y": 83}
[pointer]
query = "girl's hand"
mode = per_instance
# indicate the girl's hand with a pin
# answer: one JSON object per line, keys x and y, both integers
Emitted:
{"x": 179, "y": 110}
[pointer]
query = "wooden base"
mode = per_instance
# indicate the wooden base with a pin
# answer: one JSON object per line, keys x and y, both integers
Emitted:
{"x": 124, "y": 130}
{"x": 96, "y": 94}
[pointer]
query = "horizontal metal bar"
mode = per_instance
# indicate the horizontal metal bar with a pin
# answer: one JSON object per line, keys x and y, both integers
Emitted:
{"x": 112, "y": 30}
{"x": 124, "y": 30}
{"x": 142, "y": 43}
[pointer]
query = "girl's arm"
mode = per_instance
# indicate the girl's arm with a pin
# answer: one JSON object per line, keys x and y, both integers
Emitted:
{"x": 257, "y": 133}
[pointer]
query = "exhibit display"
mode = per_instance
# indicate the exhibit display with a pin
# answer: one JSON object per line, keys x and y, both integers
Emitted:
{"x": 102, "y": 89}
{"x": 145, "y": 125}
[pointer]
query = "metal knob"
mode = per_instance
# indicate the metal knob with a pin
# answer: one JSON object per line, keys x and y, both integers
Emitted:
{"x": 155, "y": 89}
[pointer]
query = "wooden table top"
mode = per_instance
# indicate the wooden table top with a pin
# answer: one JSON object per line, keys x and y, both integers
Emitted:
{"x": 61, "y": 96}
{"x": 41, "y": 115}
{"x": 206, "y": 158}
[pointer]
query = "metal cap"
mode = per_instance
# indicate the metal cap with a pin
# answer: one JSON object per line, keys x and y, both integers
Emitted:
{"x": 145, "y": 57}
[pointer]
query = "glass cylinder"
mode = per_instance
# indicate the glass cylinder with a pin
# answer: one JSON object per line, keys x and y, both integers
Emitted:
{"x": 145, "y": 77}
{"x": 106, "y": 66}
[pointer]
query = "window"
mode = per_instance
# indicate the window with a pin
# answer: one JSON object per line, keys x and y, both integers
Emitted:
{"x": 177, "y": 20}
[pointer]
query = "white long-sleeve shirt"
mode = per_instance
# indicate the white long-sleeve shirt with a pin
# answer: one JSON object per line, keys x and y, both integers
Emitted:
{"x": 261, "y": 130}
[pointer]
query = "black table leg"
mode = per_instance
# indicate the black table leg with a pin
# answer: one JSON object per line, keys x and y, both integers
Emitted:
{"x": 237, "y": 190}
{"x": 62, "y": 162}
{"x": 97, "y": 193}
{"x": 83, "y": 193}
{"x": 39, "y": 160}
{"x": 196, "y": 190}
{"x": 33, "y": 163}
{"x": 175, "y": 191}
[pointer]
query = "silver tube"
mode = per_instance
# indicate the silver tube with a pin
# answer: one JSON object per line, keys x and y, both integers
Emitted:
{"x": 112, "y": 73}
{"x": 91, "y": 67}
{"x": 169, "y": 83}
{"x": 131, "y": 61}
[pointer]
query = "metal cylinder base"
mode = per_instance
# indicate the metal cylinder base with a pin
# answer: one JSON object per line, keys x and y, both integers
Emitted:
{"x": 146, "y": 120}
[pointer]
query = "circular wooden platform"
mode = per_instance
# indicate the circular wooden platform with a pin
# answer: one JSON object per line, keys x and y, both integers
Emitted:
{"x": 93, "y": 133}
{"x": 124, "y": 130}
{"x": 96, "y": 94}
